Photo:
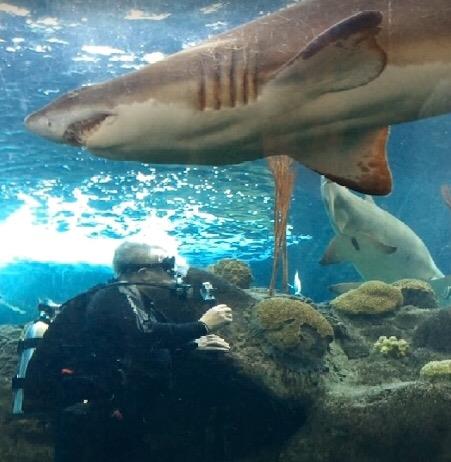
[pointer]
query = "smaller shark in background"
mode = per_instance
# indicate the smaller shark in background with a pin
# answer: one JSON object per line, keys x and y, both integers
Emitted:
{"x": 380, "y": 246}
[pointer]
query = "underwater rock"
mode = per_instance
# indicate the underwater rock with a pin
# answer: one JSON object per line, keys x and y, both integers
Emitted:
{"x": 371, "y": 298}
{"x": 234, "y": 271}
{"x": 437, "y": 370}
{"x": 391, "y": 423}
{"x": 264, "y": 403}
{"x": 294, "y": 328}
{"x": 417, "y": 293}
{"x": 435, "y": 332}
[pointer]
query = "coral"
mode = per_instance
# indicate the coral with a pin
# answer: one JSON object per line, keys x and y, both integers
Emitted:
{"x": 234, "y": 271}
{"x": 437, "y": 370}
{"x": 372, "y": 297}
{"x": 392, "y": 346}
{"x": 293, "y": 327}
{"x": 417, "y": 293}
{"x": 435, "y": 332}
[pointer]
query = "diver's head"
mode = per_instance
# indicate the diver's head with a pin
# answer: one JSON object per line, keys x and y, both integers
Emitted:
{"x": 141, "y": 262}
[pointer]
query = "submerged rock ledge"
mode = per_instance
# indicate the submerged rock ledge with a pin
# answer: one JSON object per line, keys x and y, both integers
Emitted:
{"x": 347, "y": 403}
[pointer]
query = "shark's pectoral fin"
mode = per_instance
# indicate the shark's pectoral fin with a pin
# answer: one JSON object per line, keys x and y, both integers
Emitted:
{"x": 356, "y": 159}
{"x": 345, "y": 56}
{"x": 343, "y": 287}
{"x": 369, "y": 199}
{"x": 381, "y": 247}
{"x": 337, "y": 250}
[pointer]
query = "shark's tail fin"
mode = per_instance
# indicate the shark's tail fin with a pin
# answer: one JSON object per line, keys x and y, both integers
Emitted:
{"x": 442, "y": 289}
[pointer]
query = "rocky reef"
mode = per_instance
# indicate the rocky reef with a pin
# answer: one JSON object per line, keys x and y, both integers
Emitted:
{"x": 302, "y": 383}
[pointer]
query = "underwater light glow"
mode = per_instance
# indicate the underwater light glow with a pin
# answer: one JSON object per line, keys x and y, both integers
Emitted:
{"x": 13, "y": 10}
{"x": 142, "y": 15}
{"x": 23, "y": 238}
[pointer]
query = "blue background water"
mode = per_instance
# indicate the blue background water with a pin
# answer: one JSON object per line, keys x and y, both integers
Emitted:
{"x": 63, "y": 210}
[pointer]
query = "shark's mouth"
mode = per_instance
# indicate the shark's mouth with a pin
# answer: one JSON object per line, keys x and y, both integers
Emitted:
{"x": 78, "y": 132}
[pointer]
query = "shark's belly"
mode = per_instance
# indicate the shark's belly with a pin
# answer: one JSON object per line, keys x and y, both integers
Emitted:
{"x": 155, "y": 132}
{"x": 392, "y": 268}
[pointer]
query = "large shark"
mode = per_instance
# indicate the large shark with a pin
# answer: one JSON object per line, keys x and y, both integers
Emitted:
{"x": 317, "y": 81}
{"x": 379, "y": 245}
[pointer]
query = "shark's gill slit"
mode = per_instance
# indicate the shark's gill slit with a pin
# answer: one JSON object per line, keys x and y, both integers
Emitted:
{"x": 232, "y": 81}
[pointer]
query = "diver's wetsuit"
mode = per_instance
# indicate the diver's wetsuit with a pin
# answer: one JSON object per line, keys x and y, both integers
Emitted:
{"x": 131, "y": 345}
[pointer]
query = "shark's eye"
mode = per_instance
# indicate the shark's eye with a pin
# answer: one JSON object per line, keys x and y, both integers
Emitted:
{"x": 49, "y": 124}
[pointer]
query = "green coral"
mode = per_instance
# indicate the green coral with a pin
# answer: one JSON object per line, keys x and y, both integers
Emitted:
{"x": 437, "y": 370}
{"x": 234, "y": 271}
{"x": 392, "y": 346}
{"x": 293, "y": 326}
{"x": 417, "y": 293}
{"x": 372, "y": 297}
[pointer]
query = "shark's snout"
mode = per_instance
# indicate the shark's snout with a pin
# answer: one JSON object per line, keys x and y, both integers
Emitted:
{"x": 39, "y": 124}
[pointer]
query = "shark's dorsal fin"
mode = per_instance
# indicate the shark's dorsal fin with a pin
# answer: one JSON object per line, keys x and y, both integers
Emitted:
{"x": 369, "y": 199}
{"x": 345, "y": 56}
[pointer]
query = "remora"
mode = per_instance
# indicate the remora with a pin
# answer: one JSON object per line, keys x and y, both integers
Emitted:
{"x": 317, "y": 82}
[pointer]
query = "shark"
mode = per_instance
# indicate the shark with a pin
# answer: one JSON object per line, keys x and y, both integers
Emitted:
{"x": 380, "y": 246}
{"x": 318, "y": 83}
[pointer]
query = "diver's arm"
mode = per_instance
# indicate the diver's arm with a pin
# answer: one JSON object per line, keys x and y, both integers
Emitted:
{"x": 173, "y": 335}
{"x": 169, "y": 334}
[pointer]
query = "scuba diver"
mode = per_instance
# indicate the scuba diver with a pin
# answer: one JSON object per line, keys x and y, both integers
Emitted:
{"x": 131, "y": 346}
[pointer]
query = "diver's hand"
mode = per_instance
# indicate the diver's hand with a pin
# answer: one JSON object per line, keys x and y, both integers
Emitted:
{"x": 212, "y": 342}
{"x": 217, "y": 317}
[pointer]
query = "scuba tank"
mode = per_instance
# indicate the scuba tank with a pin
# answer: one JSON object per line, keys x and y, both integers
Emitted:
{"x": 29, "y": 341}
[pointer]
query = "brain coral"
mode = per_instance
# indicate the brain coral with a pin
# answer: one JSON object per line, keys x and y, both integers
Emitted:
{"x": 437, "y": 370}
{"x": 417, "y": 293}
{"x": 234, "y": 271}
{"x": 293, "y": 327}
{"x": 372, "y": 297}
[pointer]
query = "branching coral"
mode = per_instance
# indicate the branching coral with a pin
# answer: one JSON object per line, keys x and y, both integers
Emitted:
{"x": 392, "y": 346}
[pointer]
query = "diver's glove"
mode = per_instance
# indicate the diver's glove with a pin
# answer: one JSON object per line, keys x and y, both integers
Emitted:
{"x": 212, "y": 342}
{"x": 216, "y": 317}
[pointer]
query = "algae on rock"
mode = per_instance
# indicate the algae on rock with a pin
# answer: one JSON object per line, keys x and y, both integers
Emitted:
{"x": 294, "y": 328}
{"x": 372, "y": 298}
{"x": 234, "y": 271}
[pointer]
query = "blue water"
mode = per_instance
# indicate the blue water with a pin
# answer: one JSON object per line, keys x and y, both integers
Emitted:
{"x": 64, "y": 211}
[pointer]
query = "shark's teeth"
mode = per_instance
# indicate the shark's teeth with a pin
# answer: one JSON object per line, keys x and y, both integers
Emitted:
{"x": 77, "y": 132}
